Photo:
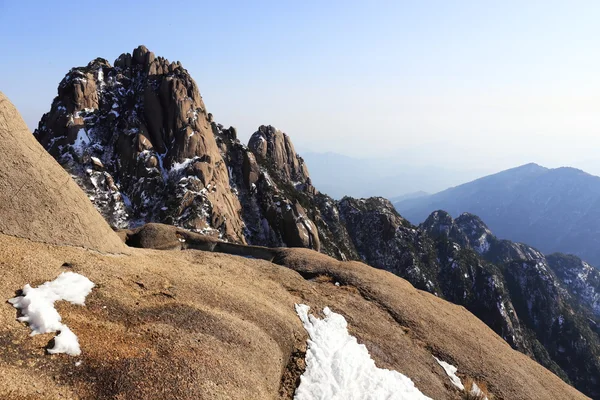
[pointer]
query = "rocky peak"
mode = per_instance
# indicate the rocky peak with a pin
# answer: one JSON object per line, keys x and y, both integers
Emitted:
{"x": 386, "y": 240}
{"x": 439, "y": 221}
{"x": 441, "y": 224}
{"x": 137, "y": 138}
{"x": 275, "y": 148}
{"x": 280, "y": 207}
{"x": 475, "y": 230}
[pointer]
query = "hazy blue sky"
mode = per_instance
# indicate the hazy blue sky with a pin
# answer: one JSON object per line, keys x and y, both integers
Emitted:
{"x": 461, "y": 84}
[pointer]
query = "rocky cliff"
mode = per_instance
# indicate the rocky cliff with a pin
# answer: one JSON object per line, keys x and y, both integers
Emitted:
{"x": 137, "y": 137}
{"x": 280, "y": 206}
{"x": 553, "y": 298}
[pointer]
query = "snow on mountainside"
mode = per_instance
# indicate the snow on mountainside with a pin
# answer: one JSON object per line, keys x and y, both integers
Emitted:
{"x": 555, "y": 210}
{"x": 553, "y": 308}
{"x": 582, "y": 280}
{"x": 339, "y": 368}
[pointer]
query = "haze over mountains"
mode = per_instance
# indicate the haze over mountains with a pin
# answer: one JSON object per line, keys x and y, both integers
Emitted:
{"x": 550, "y": 209}
{"x": 340, "y": 175}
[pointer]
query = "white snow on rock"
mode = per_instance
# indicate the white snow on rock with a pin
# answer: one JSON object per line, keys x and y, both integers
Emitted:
{"x": 66, "y": 342}
{"x": 477, "y": 392}
{"x": 339, "y": 368}
{"x": 37, "y": 308}
{"x": 451, "y": 371}
{"x": 81, "y": 142}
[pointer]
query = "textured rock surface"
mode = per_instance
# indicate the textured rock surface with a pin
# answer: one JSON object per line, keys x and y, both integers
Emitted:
{"x": 280, "y": 207}
{"x": 432, "y": 261}
{"x": 558, "y": 325}
{"x": 581, "y": 279}
{"x": 32, "y": 185}
{"x": 275, "y": 147}
{"x": 145, "y": 123}
{"x": 184, "y": 324}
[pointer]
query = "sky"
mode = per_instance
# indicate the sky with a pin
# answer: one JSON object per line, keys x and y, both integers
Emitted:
{"x": 456, "y": 84}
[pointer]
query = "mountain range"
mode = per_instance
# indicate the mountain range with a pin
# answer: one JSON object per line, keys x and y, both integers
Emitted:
{"x": 554, "y": 210}
{"x": 138, "y": 140}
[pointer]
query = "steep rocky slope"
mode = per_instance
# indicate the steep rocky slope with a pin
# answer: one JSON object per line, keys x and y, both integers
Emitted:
{"x": 581, "y": 280}
{"x": 137, "y": 138}
{"x": 554, "y": 210}
{"x": 438, "y": 257}
{"x": 33, "y": 185}
{"x": 552, "y": 309}
{"x": 280, "y": 207}
{"x": 193, "y": 324}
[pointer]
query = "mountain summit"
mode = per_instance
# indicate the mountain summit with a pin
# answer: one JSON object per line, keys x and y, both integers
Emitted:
{"x": 138, "y": 138}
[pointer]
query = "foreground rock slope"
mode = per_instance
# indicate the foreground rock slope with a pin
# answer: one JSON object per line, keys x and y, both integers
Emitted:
{"x": 34, "y": 186}
{"x": 191, "y": 324}
{"x": 194, "y": 324}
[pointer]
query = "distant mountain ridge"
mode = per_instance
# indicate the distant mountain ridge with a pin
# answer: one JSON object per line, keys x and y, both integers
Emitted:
{"x": 554, "y": 210}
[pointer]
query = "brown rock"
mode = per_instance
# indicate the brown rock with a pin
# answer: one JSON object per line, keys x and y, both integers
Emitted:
{"x": 38, "y": 199}
{"x": 275, "y": 147}
{"x": 225, "y": 310}
{"x": 250, "y": 169}
{"x": 169, "y": 123}
{"x": 299, "y": 231}
{"x": 139, "y": 55}
{"x": 152, "y": 162}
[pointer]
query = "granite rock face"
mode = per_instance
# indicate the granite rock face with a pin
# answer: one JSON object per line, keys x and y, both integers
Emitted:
{"x": 554, "y": 298}
{"x": 280, "y": 207}
{"x": 136, "y": 137}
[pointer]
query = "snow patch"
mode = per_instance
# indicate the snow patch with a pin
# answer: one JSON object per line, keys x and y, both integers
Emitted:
{"x": 477, "y": 392}
{"x": 338, "y": 367}
{"x": 81, "y": 142}
{"x": 482, "y": 246}
{"x": 451, "y": 372}
{"x": 176, "y": 167}
{"x": 37, "y": 308}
